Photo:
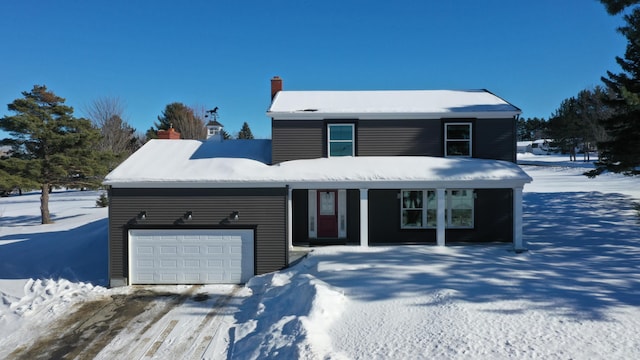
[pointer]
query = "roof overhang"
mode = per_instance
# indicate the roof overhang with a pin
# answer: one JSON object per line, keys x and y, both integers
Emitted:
{"x": 309, "y": 115}
{"x": 392, "y": 184}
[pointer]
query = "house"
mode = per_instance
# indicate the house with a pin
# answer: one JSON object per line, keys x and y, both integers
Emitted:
{"x": 343, "y": 167}
{"x": 524, "y": 147}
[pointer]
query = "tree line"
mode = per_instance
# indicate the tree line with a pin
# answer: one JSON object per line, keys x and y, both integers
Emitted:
{"x": 576, "y": 125}
{"x": 50, "y": 147}
{"x": 606, "y": 118}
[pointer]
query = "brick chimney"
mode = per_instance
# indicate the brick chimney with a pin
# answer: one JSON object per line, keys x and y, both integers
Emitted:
{"x": 170, "y": 134}
{"x": 276, "y": 86}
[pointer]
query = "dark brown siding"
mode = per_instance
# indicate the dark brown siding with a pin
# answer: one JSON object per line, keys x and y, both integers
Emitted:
{"x": 384, "y": 221}
{"x": 399, "y": 138}
{"x": 292, "y": 139}
{"x": 301, "y": 216}
{"x": 493, "y": 220}
{"x": 300, "y": 208}
{"x": 306, "y": 139}
{"x": 494, "y": 215}
{"x": 495, "y": 139}
{"x": 264, "y": 209}
{"x": 353, "y": 216}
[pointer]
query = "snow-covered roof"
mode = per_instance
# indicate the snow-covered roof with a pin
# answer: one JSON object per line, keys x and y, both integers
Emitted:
{"x": 392, "y": 104}
{"x": 193, "y": 163}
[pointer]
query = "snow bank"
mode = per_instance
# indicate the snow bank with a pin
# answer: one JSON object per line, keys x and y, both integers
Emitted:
{"x": 288, "y": 316}
{"x": 43, "y": 301}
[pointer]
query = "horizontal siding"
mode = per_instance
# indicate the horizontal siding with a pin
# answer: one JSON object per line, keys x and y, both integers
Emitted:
{"x": 300, "y": 199}
{"x": 495, "y": 139}
{"x": 291, "y": 140}
{"x": 264, "y": 209}
{"x": 306, "y": 139}
{"x": 493, "y": 220}
{"x": 399, "y": 138}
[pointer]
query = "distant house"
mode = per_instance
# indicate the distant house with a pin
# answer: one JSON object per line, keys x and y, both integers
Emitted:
{"x": 542, "y": 147}
{"x": 523, "y": 147}
{"x": 343, "y": 167}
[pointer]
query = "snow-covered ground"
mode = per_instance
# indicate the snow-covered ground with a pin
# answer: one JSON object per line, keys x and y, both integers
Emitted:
{"x": 574, "y": 294}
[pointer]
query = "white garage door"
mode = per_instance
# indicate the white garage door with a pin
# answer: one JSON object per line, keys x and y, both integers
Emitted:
{"x": 181, "y": 256}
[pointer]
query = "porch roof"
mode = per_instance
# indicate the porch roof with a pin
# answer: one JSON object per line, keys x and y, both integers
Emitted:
{"x": 191, "y": 163}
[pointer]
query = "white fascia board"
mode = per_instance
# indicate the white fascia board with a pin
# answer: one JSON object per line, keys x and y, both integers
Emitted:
{"x": 392, "y": 116}
{"x": 195, "y": 184}
{"x": 456, "y": 184}
{"x": 335, "y": 184}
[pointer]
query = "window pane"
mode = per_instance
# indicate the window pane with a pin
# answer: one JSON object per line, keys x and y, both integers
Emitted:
{"x": 340, "y": 149}
{"x": 412, "y": 199}
{"x": 461, "y": 217}
{"x": 458, "y": 132}
{"x": 340, "y": 132}
{"x": 461, "y": 208}
{"x": 432, "y": 219}
{"x": 458, "y": 148}
{"x": 412, "y": 218}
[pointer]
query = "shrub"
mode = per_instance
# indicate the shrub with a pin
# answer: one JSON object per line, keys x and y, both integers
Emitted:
{"x": 103, "y": 201}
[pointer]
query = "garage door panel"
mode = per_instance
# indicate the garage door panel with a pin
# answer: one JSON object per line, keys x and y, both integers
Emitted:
{"x": 176, "y": 256}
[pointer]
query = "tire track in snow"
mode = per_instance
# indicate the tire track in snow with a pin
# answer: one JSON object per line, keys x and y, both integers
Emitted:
{"x": 85, "y": 332}
{"x": 188, "y": 341}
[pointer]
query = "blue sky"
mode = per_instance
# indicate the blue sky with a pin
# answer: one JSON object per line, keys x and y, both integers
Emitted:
{"x": 224, "y": 53}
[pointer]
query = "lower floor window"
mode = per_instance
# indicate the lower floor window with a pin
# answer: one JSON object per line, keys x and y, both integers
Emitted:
{"x": 419, "y": 208}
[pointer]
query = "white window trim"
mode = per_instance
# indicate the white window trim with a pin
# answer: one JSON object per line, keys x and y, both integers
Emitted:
{"x": 352, "y": 141}
{"x": 446, "y": 140}
{"x": 448, "y": 209}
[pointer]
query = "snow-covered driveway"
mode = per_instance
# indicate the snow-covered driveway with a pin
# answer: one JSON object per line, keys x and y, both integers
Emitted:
{"x": 166, "y": 322}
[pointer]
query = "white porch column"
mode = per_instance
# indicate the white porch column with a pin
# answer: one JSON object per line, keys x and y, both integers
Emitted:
{"x": 518, "y": 242}
{"x": 290, "y": 217}
{"x": 440, "y": 212}
{"x": 364, "y": 217}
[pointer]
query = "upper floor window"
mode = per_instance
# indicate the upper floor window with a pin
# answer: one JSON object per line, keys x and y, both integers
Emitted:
{"x": 457, "y": 139}
{"x": 340, "y": 140}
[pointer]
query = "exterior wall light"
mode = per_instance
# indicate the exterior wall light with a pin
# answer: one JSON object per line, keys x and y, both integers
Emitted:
{"x": 235, "y": 215}
{"x": 188, "y": 215}
{"x": 142, "y": 215}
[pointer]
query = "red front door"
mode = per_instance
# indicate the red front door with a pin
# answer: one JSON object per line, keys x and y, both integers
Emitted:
{"x": 327, "y": 213}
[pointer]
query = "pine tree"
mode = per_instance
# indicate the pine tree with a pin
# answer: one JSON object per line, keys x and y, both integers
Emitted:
{"x": 245, "y": 132}
{"x": 183, "y": 119}
{"x": 50, "y": 147}
{"x": 620, "y": 153}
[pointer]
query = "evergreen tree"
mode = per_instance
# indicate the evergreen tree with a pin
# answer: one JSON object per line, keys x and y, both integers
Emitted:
{"x": 50, "y": 147}
{"x": 245, "y": 132}
{"x": 532, "y": 129}
{"x": 577, "y": 124}
{"x": 225, "y": 135}
{"x": 183, "y": 119}
{"x": 620, "y": 152}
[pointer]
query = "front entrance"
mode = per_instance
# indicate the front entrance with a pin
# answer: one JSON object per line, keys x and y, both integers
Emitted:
{"x": 327, "y": 214}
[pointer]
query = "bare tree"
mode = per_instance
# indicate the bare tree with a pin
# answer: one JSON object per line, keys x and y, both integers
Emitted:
{"x": 184, "y": 119}
{"x": 118, "y": 137}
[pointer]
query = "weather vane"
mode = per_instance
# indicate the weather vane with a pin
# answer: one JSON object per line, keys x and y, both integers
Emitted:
{"x": 213, "y": 113}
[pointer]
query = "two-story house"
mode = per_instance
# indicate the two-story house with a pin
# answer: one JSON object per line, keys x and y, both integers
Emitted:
{"x": 343, "y": 167}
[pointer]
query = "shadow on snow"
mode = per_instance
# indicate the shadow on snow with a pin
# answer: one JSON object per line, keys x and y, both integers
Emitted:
{"x": 78, "y": 254}
{"x": 583, "y": 258}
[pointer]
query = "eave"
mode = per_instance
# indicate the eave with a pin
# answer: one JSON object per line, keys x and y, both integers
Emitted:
{"x": 315, "y": 115}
